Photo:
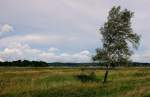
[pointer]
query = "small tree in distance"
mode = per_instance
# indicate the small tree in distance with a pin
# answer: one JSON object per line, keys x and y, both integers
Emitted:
{"x": 117, "y": 34}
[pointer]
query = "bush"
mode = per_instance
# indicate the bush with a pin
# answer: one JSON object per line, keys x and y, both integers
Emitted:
{"x": 87, "y": 77}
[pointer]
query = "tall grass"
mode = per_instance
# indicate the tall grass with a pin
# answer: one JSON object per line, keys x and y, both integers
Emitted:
{"x": 62, "y": 82}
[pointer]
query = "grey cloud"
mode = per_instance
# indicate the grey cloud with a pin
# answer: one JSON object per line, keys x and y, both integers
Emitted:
{"x": 70, "y": 25}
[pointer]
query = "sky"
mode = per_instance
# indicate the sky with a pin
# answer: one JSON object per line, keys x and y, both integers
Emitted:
{"x": 64, "y": 30}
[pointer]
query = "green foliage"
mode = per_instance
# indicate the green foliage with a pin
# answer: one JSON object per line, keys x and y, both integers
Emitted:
{"x": 146, "y": 95}
{"x": 117, "y": 35}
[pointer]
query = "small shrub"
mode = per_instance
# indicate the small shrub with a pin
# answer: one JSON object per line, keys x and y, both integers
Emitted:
{"x": 87, "y": 77}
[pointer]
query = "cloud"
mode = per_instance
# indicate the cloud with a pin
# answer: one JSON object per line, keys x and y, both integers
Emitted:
{"x": 144, "y": 56}
{"x": 69, "y": 43}
{"x": 6, "y": 28}
{"x": 40, "y": 39}
{"x": 70, "y": 25}
{"x": 17, "y": 51}
{"x": 53, "y": 49}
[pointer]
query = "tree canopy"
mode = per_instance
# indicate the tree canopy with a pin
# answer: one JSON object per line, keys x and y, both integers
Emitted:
{"x": 117, "y": 36}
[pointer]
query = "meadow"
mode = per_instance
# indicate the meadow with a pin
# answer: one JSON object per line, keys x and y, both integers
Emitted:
{"x": 63, "y": 82}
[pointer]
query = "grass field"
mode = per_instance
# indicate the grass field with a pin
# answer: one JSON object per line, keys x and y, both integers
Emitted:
{"x": 62, "y": 82}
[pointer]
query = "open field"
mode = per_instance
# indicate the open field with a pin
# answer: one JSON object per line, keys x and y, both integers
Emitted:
{"x": 62, "y": 82}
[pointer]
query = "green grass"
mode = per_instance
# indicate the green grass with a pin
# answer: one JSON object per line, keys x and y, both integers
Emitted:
{"x": 62, "y": 82}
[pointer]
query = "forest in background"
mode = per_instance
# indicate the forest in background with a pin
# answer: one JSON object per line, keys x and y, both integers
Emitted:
{"x": 27, "y": 63}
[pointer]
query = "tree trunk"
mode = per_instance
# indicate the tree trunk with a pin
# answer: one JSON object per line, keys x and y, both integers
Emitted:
{"x": 106, "y": 74}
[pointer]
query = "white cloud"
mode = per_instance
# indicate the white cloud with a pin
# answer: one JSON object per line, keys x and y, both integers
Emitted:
{"x": 6, "y": 28}
{"x": 141, "y": 57}
{"x": 18, "y": 51}
{"x": 53, "y": 49}
{"x": 40, "y": 38}
{"x": 67, "y": 23}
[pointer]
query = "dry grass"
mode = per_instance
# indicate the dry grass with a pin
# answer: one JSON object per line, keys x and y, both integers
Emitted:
{"x": 61, "y": 82}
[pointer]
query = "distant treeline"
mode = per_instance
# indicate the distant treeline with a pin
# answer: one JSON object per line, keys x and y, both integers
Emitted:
{"x": 75, "y": 64}
{"x": 132, "y": 64}
{"x": 138, "y": 64}
{"x": 26, "y": 63}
